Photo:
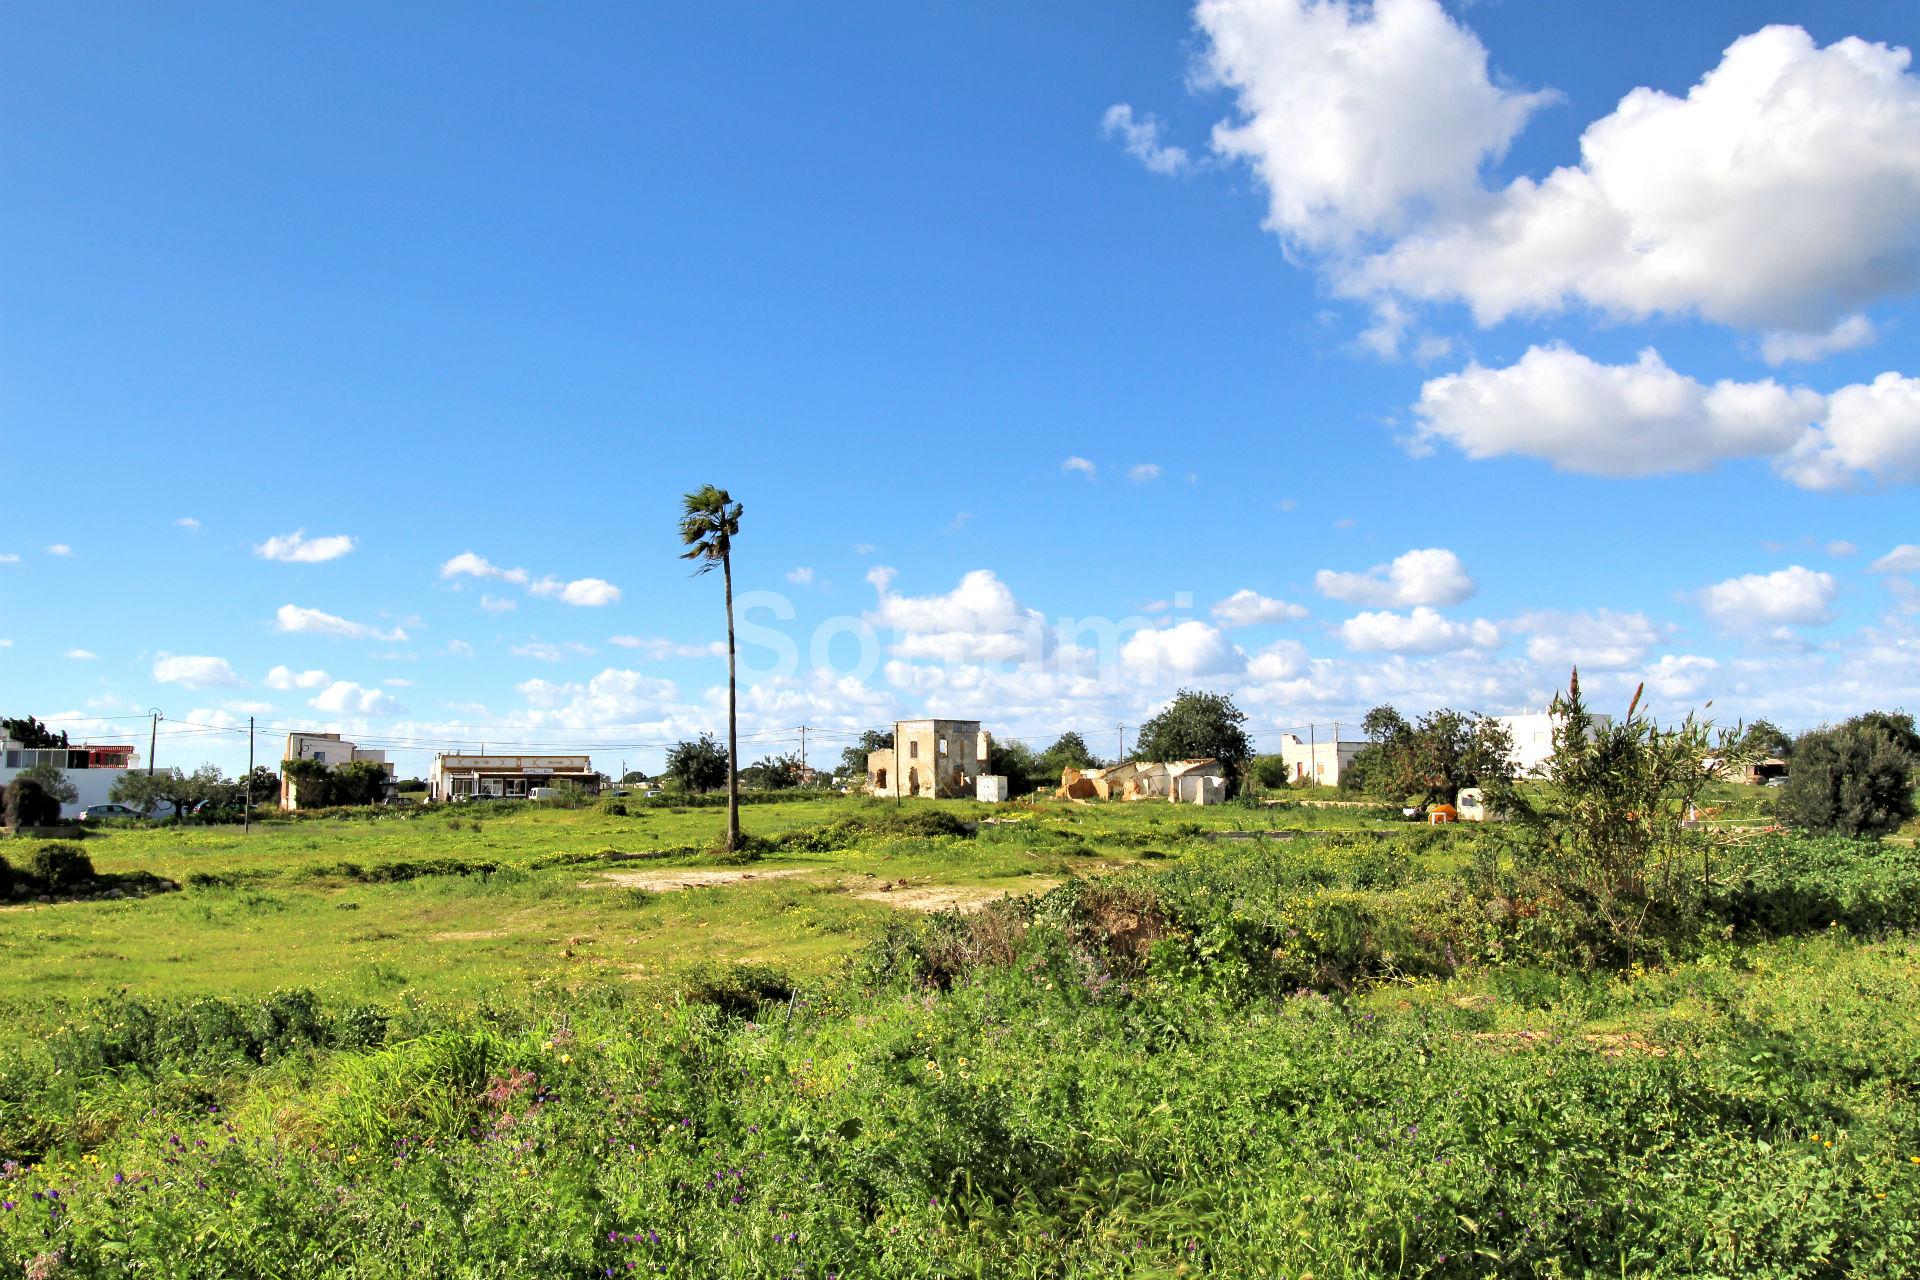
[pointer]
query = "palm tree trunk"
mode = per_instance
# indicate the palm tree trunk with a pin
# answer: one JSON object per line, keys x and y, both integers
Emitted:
{"x": 733, "y": 731}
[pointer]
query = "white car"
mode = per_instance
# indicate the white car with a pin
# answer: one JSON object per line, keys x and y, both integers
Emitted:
{"x": 108, "y": 812}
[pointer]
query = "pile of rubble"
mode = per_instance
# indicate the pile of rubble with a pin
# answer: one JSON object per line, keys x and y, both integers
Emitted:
{"x": 1178, "y": 781}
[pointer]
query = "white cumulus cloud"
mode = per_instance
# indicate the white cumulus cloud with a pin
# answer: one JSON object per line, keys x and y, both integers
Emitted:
{"x": 1793, "y": 596}
{"x": 800, "y": 577}
{"x": 469, "y": 565}
{"x": 1871, "y": 430}
{"x": 344, "y": 697}
{"x": 1246, "y": 607}
{"x": 1641, "y": 419}
{"x": 1140, "y": 135}
{"x": 1141, "y": 473}
{"x": 1190, "y": 648}
{"x": 1904, "y": 558}
{"x": 1422, "y": 631}
{"x": 195, "y": 671}
{"x": 1079, "y": 465}
{"x": 298, "y": 548}
{"x": 583, "y": 593}
{"x": 1598, "y": 639}
{"x": 1429, "y": 576}
{"x": 294, "y": 619}
{"x": 1804, "y": 348}
{"x": 979, "y": 620}
{"x": 287, "y": 678}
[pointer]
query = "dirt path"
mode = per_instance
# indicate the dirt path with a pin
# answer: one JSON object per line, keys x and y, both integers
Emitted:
{"x": 684, "y": 878}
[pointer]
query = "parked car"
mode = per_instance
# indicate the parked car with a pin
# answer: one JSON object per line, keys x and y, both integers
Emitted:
{"x": 655, "y": 795}
{"x": 108, "y": 813}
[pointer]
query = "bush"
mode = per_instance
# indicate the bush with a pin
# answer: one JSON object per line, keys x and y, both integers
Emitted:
{"x": 61, "y": 865}
{"x": 1853, "y": 780}
{"x": 28, "y": 805}
{"x": 614, "y": 808}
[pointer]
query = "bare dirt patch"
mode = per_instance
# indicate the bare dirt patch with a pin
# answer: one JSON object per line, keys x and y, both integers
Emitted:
{"x": 963, "y": 898}
{"x": 684, "y": 878}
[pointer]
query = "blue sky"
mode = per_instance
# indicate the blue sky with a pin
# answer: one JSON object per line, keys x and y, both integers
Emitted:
{"x": 993, "y": 316}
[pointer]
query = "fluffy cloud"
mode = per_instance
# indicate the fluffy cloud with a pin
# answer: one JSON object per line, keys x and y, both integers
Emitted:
{"x": 83, "y": 655}
{"x": 582, "y": 593}
{"x": 1246, "y": 607}
{"x": 800, "y": 577}
{"x": 1793, "y": 596}
{"x": 1782, "y": 192}
{"x": 1082, "y": 466}
{"x": 498, "y": 604}
{"x": 194, "y": 671}
{"x": 1904, "y": 558}
{"x": 189, "y": 523}
{"x": 1598, "y": 640}
{"x": 1142, "y": 472}
{"x": 1356, "y": 117}
{"x": 614, "y": 697}
{"x": 294, "y": 619}
{"x": 547, "y": 651}
{"x": 298, "y": 548}
{"x": 979, "y": 620}
{"x": 9, "y": 557}
{"x": 288, "y": 678}
{"x": 344, "y": 697}
{"x": 1870, "y": 429}
{"x": 1614, "y": 420}
{"x": 1186, "y": 648}
{"x": 1803, "y": 348}
{"x": 659, "y": 648}
{"x": 1422, "y": 631}
{"x": 1432, "y": 576}
{"x": 469, "y": 565}
{"x": 59, "y": 549}
{"x": 1141, "y": 137}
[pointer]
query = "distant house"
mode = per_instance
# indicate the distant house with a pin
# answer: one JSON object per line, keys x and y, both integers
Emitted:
{"x": 1533, "y": 739}
{"x": 329, "y": 749}
{"x": 1317, "y": 761}
{"x": 91, "y": 767}
{"x": 463, "y": 777}
{"x": 930, "y": 758}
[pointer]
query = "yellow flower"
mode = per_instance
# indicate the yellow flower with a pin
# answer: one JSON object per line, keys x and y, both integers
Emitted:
{"x": 566, "y": 1057}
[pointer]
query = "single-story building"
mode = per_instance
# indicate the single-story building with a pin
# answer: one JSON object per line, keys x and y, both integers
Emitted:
{"x": 1178, "y": 781}
{"x": 1320, "y": 762}
{"x": 463, "y": 777}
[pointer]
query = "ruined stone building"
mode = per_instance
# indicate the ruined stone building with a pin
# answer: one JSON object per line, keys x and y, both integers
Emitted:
{"x": 930, "y": 758}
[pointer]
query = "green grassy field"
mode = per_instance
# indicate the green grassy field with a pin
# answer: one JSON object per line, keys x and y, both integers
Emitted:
{"x": 1336, "y": 1048}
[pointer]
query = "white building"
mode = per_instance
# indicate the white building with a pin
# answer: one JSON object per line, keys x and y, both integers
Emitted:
{"x": 1317, "y": 761}
{"x": 92, "y": 768}
{"x": 329, "y": 749}
{"x": 1533, "y": 739}
{"x": 458, "y": 777}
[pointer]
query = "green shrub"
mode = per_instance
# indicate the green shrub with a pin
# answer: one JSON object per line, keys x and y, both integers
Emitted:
{"x": 1852, "y": 780}
{"x": 29, "y": 805}
{"x": 61, "y": 865}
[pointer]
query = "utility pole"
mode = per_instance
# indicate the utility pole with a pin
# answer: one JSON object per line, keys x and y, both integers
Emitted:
{"x": 153, "y": 735}
{"x": 246, "y": 788}
{"x": 1121, "y": 729}
{"x": 803, "y": 746}
{"x": 1313, "y": 757}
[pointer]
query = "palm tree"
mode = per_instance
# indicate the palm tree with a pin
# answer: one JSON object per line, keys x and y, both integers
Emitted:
{"x": 709, "y": 522}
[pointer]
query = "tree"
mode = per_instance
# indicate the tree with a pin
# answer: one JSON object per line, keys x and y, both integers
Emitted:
{"x": 1069, "y": 751}
{"x": 148, "y": 791}
{"x": 775, "y": 773}
{"x": 1383, "y": 724}
{"x": 357, "y": 782}
{"x": 853, "y": 761}
{"x": 1434, "y": 759}
{"x": 263, "y": 786}
{"x": 1765, "y": 738}
{"x": 699, "y": 765}
{"x": 28, "y": 805}
{"x": 53, "y": 780}
{"x": 709, "y": 522}
{"x": 31, "y": 733}
{"x": 1195, "y": 726}
{"x": 633, "y": 775}
{"x": 1855, "y": 779}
